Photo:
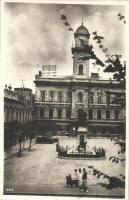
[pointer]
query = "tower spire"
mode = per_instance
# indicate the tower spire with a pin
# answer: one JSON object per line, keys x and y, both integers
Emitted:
{"x": 22, "y": 85}
{"x": 82, "y": 21}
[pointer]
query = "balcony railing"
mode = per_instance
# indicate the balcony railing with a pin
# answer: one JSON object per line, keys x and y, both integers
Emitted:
{"x": 52, "y": 102}
{"x": 103, "y": 104}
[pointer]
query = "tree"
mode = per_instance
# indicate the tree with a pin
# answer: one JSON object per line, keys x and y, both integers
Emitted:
{"x": 20, "y": 140}
{"x": 30, "y": 133}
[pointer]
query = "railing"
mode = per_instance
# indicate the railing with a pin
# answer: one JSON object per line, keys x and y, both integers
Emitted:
{"x": 103, "y": 104}
{"x": 53, "y": 102}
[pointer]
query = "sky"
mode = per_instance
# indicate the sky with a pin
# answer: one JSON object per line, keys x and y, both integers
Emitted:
{"x": 35, "y": 35}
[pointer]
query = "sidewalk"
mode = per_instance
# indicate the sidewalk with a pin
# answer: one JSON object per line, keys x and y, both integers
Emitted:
{"x": 60, "y": 190}
{"x": 12, "y": 151}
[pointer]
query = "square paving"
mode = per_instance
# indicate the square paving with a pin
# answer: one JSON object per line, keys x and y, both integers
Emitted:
{"x": 41, "y": 168}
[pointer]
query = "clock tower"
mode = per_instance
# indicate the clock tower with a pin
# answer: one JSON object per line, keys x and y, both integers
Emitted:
{"x": 80, "y": 53}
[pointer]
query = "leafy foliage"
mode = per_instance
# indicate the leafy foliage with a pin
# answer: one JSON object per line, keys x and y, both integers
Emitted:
{"x": 121, "y": 18}
{"x": 116, "y": 160}
{"x": 112, "y": 63}
{"x": 113, "y": 182}
{"x": 120, "y": 142}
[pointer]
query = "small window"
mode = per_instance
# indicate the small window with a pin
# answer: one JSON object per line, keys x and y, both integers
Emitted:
{"x": 80, "y": 70}
{"x": 80, "y": 97}
{"x": 107, "y": 114}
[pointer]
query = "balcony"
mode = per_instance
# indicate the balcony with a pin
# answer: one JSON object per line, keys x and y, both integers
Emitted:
{"x": 52, "y": 103}
{"x": 96, "y": 104}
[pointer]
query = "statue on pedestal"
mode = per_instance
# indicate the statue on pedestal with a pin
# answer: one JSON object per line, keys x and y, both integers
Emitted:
{"x": 82, "y": 143}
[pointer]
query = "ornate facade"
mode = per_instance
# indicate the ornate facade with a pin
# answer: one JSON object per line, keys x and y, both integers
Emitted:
{"x": 62, "y": 101}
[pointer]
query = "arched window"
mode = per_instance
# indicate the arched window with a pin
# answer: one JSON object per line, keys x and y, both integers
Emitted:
{"x": 99, "y": 114}
{"x": 90, "y": 114}
{"x": 116, "y": 114}
{"x": 59, "y": 113}
{"x": 51, "y": 95}
{"x": 68, "y": 113}
{"x": 107, "y": 114}
{"x": 42, "y": 112}
{"x": 50, "y": 113}
{"x": 80, "y": 70}
{"x": 91, "y": 99}
{"x": 80, "y": 97}
{"x": 68, "y": 96}
{"x": 99, "y": 99}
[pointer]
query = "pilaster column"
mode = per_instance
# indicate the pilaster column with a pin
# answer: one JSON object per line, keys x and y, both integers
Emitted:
{"x": 73, "y": 114}
{"x": 46, "y": 112}
{"x": 63, "y": 113}
{"x": 85, "y": 101}
{"x": 111, "y": 114}
{"x": 95, "y": 113}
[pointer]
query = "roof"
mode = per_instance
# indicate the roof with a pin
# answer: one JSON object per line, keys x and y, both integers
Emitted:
{"x": 23, "y": 89}
{"x": 82, "y": 30}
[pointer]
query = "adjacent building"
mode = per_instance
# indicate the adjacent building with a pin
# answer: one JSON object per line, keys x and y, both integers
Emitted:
{"x": 18, "y": 112}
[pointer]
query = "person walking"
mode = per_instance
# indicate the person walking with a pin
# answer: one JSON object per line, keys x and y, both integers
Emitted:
{"x": 84, "y": 181}
{"x": 80, "y": 178}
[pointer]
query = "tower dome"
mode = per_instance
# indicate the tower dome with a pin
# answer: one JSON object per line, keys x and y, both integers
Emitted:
{"x": 82, "y": 30}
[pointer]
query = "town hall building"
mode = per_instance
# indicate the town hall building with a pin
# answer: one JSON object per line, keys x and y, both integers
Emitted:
{"x": 83, "y": 99}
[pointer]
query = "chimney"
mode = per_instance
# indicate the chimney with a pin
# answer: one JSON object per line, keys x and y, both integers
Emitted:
{"x": 40, "y": 73}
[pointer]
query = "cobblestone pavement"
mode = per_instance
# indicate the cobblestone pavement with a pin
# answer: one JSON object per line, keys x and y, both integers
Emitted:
{"x": 41, "y": 166}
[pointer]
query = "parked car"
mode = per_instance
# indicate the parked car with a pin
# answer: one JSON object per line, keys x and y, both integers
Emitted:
{"x": 46, "y": 139}
{"x": 55, "y": 138}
